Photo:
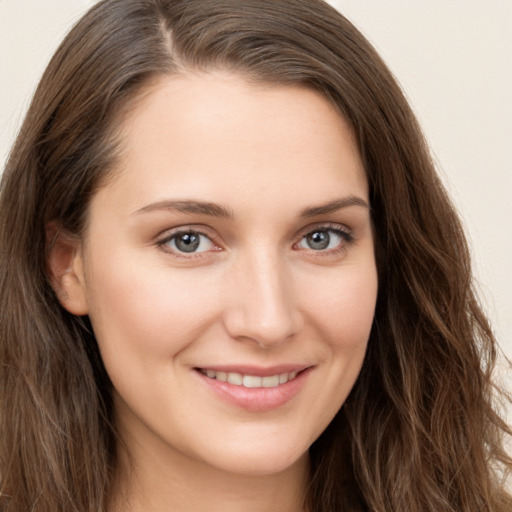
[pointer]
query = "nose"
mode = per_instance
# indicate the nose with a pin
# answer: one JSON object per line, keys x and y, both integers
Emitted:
{"x": 263, "y": 308}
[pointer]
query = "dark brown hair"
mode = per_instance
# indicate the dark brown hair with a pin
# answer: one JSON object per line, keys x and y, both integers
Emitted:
{"x": 419, "y": 431}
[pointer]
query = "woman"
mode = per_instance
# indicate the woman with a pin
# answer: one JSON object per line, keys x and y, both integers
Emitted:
{"x": 233, "y": 280}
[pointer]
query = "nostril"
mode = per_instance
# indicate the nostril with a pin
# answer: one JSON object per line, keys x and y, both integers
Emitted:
{"x": 262, "y": 307}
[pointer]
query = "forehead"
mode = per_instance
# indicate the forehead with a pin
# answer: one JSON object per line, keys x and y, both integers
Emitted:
{"x": 217, "y": 137}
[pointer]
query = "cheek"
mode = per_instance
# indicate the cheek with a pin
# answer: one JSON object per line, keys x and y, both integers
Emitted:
{"x": 148, "y": 309}
{"x": 343, "y": 307}
{"x": 341, "y": 310}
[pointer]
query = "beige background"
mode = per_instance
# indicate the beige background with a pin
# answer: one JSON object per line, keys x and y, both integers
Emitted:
{"x": 452, "y": 57}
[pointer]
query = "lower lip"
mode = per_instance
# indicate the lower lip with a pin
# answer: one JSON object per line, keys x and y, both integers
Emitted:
{"x": 256, "y": 399}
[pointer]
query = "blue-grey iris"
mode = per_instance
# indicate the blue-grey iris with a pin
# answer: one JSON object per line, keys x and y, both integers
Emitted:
{"x": 187, "y": 242}
{"x": 318, "y": 240}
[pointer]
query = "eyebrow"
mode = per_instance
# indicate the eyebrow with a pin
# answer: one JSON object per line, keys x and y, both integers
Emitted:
{"x": 189, "y": 206}
{"x": 216, "y": 210}
{"x": 334, "y": 206}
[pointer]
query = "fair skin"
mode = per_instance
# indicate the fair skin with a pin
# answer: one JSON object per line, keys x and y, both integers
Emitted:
{"x": 234, "y": 243}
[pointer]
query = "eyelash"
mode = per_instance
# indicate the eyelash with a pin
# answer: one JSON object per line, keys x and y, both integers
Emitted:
{"x": 164, "y": 242}
{"x": 345, "y": 235}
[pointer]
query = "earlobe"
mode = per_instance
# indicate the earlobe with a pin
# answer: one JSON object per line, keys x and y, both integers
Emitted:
{"x": 65, "y": 268}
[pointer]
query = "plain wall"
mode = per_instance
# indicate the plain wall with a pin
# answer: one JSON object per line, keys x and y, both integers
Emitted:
{"x": 453, "y": 59}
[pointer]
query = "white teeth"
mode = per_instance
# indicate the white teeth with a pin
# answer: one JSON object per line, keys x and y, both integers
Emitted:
{"x": 270, "y": 382}
{"x": 223, "y": 376}
{"x": 235, "y": 378}
{"x": 251, "y": 381}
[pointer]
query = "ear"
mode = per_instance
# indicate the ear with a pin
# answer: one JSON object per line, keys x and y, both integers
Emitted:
{"x": 65, "y": 268}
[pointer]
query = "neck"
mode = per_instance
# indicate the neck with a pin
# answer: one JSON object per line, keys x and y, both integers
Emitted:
{"x": 159, "y": 481}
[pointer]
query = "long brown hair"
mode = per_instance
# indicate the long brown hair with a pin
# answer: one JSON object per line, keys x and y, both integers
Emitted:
{"x": 420, "y": 429}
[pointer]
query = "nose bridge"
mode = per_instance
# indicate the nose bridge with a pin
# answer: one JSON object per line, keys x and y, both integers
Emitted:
{"x": 263, "y": 307}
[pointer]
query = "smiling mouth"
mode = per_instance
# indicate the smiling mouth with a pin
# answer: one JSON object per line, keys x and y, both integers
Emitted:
{"x": 250, "y": 381}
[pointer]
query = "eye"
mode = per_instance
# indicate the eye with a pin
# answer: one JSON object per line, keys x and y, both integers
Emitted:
{"x": 324, "y": 239}
{"x": 188, "y": 242}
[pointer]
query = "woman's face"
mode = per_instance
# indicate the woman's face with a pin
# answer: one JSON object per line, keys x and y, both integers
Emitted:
{"x": 229, "y": 274}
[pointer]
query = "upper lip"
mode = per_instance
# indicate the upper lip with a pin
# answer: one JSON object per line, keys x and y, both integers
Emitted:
{"x": 257, "y": 371}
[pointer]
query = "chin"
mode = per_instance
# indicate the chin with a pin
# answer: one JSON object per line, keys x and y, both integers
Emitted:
{"x": 263, "y": 459}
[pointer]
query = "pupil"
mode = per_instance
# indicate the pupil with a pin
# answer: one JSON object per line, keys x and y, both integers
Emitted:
{"x": 318, "y": 240}
{"x": 188, "y": 242}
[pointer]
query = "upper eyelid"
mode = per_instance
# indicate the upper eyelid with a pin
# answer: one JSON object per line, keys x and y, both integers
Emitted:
{"x": 345, "y": 233}
{"x": 163, "y": 241}
{"x": 168, "y": 234}
{"x": 333, "y": 226}
{"x": 205, "y": 230}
